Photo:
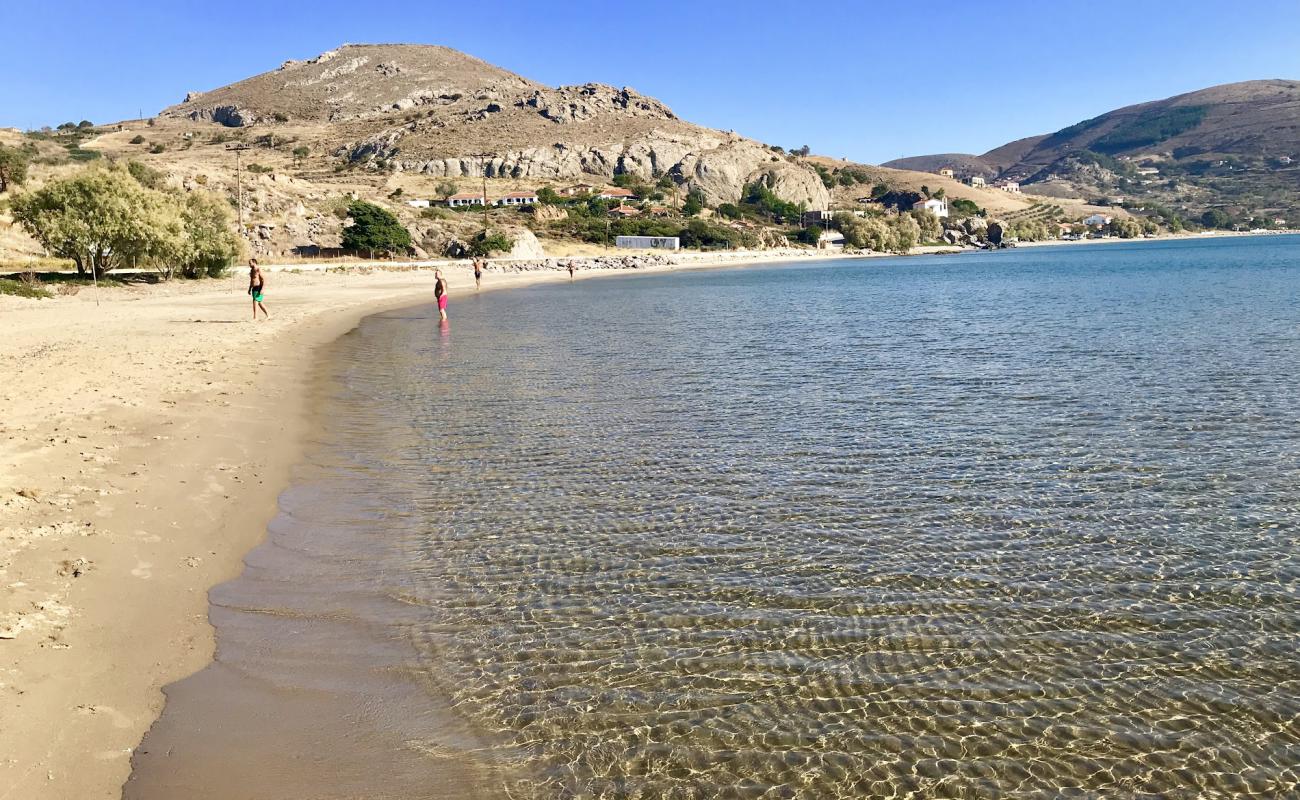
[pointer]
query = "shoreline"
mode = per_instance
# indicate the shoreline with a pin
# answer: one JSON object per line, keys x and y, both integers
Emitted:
{"x": 148, "y": 439}
{"x": 132, "y": 483}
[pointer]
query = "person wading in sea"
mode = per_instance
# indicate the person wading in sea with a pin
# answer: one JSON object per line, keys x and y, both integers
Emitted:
{"x": 478, "y": 272}
{"x": 256, "y": 283}
{"x": 440, "y": 292}
{"x": 570, "y": 269}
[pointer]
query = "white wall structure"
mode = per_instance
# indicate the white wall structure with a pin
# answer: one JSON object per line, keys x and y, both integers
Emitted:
{"x": 649, "y": 242}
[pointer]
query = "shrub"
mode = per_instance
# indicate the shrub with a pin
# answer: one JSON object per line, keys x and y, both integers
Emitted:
{"x": 210, "y": 244}
{"x": 146, "y": 175}
{"x": 258, "y": 169}
{"x": 374, "y": 229}
{"x": 485, "y": 244}
{"x": 23, "y": 289}
{"x": 157, "y": 148}
{"x": 137, "y": 139}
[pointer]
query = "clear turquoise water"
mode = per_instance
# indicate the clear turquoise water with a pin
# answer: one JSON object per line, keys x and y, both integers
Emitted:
{"x": 1020, "y": 524}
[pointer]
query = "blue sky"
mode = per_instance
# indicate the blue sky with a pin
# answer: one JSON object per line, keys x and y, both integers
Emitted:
{"x": 866, "y": 80}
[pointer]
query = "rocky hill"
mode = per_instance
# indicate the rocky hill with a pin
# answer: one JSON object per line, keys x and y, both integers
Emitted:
{"x": 438, "y": 112}
{"x": 1234, "y": 146}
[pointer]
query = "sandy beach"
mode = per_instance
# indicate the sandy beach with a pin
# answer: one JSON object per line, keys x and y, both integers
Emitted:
{"x": 146, "y": 440}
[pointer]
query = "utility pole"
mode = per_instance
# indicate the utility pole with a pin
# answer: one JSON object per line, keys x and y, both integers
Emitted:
{"x": 239, "y": 181}
{"x": 483, "y": 157}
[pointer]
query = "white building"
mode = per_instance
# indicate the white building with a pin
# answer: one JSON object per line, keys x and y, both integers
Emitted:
{"x": 1097, "y": 219}
{"x": 418, "y": 203}
{"x": 616, "y": 193}
{"x": 517, "y": 199}
{"x": 947, "y": 172}
{"x": 466, "y": 199}
{"x": 1008, "y": 186}
{"x": 974, "y": 180}
{"x": 935, "y": 205}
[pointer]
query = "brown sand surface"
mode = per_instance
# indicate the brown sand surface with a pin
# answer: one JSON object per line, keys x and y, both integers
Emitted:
{"x": 145, "y": 441}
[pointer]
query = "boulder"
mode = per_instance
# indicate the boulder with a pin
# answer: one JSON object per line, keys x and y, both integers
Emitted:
{"x": 525, "y": 245}
{"x": 795, "y": 184}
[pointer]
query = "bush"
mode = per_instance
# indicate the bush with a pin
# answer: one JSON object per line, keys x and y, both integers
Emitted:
{"x": 23, "y": 289}
{"x": 157, "y": 148}
{"x": 85, "y": 123}
{"x": 374, "y": 229}
{"x": 146, "y": 175}
{"x": 137, "y": 139}
{"x": 258, "y": 169}
{"x": 961, "y": 207}
{"x": 485, "y": 244}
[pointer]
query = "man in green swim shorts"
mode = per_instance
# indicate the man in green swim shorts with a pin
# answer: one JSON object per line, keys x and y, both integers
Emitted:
{"x": 256, "y": 283}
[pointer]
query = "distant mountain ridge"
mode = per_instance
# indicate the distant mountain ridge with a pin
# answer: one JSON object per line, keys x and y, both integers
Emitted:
{"x": 1193, "y": 149}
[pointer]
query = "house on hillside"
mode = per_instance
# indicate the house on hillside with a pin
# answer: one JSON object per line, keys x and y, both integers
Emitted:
{"x": 517, "y": 199}
{"x": 418, "y": 203}
{"x": 935, "y": 205}
{"x": 1008, "y": 186}
{"x": 466, "y": 199}
{"x": 1097, "y": 219}
{"x": 625, "y": 211}
{"x": 974, "y": 180}
{"x": 616, "y": 193}
{"x": 947, "y": 172}
{"x": 577, "y": 189}
{"x": 822, "y": 219}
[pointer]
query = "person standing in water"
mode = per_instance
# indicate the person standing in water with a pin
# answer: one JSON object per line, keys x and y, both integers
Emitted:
{"x": 256, "y": 284}
{"x": 440, "y": 292}
{"x": 478, "y": 273}
{"x": 570, "y": 269}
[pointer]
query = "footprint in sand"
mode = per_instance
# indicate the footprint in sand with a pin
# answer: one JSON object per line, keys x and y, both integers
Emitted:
{"x": 143, "y": 569}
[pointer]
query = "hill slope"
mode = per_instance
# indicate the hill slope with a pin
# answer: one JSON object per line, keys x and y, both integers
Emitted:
{"x": 438, "y": 112}
{"x": 1228, "y": 146}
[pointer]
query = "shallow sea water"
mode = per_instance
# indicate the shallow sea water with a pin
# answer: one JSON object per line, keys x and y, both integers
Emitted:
{"x": 1019, "y": 525}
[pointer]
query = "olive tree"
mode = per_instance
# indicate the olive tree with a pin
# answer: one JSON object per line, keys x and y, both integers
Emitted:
{"x": 13, "y": 167}
{"x": 102, "y": 219}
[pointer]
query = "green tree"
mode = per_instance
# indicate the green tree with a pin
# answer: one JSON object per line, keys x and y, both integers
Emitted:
{"x": 447, "y": 189}
{"x": 300, "y": 153}
{"x": 374, "y": 229}
{"x": 102, "y": 219}
{"x": 1125, "y": 228}
{"x": 549, "y": 197}
{"x": 694, "y": 203}
{"x": 930, "y": 226}
{"x": 137, "y": 139}
{"x": 865, "y": 233}
{"x": 1214, "y": 218}
{"x": 210, "y": 246}
{"x": 485, "y": 244}
{"x": 907, "y": 233}
{"x": 85, "y": 123}
{"x": 13, "y": 167}
{"x": 961, "y": 207}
